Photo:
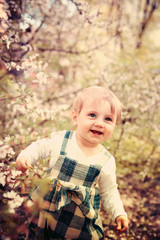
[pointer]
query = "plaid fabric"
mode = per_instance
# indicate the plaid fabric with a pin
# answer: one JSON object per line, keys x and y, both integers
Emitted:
{"x": 68, "y": 200}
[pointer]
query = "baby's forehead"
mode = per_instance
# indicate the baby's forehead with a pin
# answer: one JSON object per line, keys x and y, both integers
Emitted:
{"x": 94, "y": 101}
{"x": 94, "y": 105}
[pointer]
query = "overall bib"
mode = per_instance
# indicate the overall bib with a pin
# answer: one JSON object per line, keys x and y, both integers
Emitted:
{"x": 68, "y": 200}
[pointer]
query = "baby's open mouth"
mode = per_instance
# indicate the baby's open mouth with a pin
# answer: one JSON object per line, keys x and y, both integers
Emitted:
{"x": 96, "y": 132}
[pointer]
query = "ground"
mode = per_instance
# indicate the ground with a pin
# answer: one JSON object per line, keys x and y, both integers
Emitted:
{"x": 141, "y": 201}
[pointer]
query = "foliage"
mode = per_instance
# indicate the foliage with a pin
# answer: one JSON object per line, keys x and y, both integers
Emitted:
{"x": 49, "y": 51}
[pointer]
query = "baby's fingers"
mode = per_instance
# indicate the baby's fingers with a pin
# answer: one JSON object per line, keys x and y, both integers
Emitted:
{"x": 122, "y": 223}
{"x": 22, "y": 164}
{"x": 122, "y": 228}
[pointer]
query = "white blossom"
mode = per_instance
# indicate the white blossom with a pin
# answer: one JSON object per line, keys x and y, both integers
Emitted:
{"x": 10, "y": 195}
{"x": 15, "y": 173}
{"x": 9, "y": 178}
{"x": 11, "y": 210}
{"x": 16, "y": 202}
{"x": 3, "y": 151}
{"x": 7, "y": 139}
{"x": 29, "y": 203}
{"x": 42, "y": 77}
{"x": 2, "y": 179}
{"x": 8, "y": 44}
{"x": 2, "y": 164}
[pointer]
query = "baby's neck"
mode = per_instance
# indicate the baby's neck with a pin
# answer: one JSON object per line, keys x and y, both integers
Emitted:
{"x": 90, "y": 150}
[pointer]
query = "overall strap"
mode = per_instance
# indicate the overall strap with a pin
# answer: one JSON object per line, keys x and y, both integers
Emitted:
{"x": 67, "y": 136}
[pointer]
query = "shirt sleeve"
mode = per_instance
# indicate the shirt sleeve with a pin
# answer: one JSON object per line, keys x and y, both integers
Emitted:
{"x": 47, "y": 147}
{"x": 38, "y": 149}
{"x": 108, "y": 189}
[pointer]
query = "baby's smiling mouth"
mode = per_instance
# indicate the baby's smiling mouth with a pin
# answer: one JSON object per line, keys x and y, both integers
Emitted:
{"x": 96, "y": 132}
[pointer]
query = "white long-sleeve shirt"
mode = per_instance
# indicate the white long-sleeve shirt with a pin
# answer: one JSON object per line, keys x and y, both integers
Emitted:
{"x": 50, "y": 147}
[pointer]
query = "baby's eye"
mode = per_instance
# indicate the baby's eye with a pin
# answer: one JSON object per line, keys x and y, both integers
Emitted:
{"x": 92, "y": 115}
{"x": 108, "y": 119}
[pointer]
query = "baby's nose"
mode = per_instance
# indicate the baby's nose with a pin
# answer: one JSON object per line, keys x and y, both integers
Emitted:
{"x": 99, "y": 123}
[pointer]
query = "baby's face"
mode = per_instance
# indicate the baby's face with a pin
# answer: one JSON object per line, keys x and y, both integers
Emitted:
{"x": 95, "y": 123}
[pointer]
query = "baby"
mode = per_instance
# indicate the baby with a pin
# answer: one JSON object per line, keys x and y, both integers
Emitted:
{"x": 81, "y": 172}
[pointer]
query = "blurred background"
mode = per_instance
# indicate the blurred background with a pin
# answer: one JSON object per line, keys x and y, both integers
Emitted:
{"x": 51, "y": 49}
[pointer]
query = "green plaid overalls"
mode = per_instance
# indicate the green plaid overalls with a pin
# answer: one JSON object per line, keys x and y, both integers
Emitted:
{"x": 68, "y": 201}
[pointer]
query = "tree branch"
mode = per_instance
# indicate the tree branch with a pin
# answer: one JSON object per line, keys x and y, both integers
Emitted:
{"x": 54, "y": 49}
{"x": 11, "y": 98}
{"x": 146, "y": 19}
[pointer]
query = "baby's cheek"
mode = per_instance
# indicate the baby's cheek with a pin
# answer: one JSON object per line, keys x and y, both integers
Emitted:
{"x": 109, "y": 131}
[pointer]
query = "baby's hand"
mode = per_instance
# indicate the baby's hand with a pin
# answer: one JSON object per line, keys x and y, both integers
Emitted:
{"x": 122, "y": 222}
{"x": 23, "y": 163}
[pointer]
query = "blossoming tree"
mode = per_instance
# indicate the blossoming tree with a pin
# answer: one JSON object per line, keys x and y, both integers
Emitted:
{"x": 50, "y": 50}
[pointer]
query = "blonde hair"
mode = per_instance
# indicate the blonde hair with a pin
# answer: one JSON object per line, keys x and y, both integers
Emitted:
{"x": 98, "y": 93}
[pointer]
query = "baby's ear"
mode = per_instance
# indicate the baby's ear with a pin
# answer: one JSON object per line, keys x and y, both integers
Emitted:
{"x": 74, "y": 117}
